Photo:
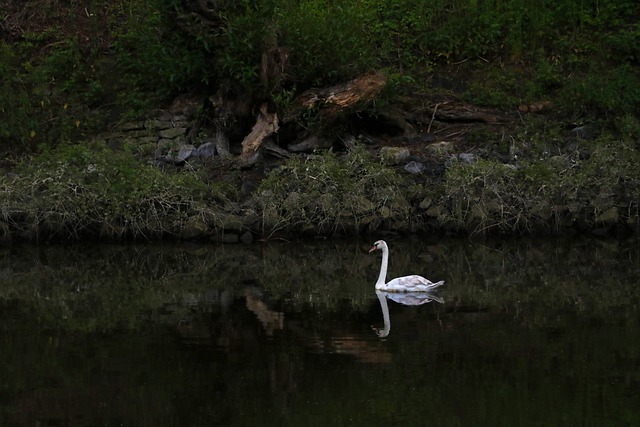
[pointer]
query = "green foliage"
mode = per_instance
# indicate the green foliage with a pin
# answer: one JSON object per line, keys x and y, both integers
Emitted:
{"x": 156, "y": 58}
{"x": 608, "y": 92}
{"x": 77, "y": 191}
{"x": 489, "y": 195}
{"x": 327, "y": 193}
{"x": 328, "y": 40}
{"x": 133, "y": 56}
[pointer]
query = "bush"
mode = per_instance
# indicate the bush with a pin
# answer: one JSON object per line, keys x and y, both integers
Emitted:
{"x": 328, "y": 193}
{"x": 158, "y": 60}
{"x": 77, "y": 191}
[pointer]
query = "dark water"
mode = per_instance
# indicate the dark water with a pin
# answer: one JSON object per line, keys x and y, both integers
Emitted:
{"x": 530, "y": 333}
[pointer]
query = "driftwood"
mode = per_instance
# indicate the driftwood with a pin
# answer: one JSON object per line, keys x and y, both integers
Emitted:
{"x": 340, "y": 98}
{"x": 461, "y": 112}
{"x": 266, "y": 124}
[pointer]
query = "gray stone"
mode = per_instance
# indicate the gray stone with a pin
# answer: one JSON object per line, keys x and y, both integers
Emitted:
{"x": 394, "y": 155}
{"x": 467, "y": 157}
{"x": 222, "y": 144}
{"x": 184, "y": 153}
{"x": 270, "y": 146}
{"x": 206, "y": 151}
{"x": 310, "y": 144}
{"x": 147, "y": 140}
{"x": 442, "y": 148}
{"x": 425, "y": 203}
{"x": 172, "y": 133}
{"x": 154, "y": 124}
{"x": 133, "y": 125}
{"x": 230, "y": 222}
{"x": 586, "y": 131}
{"x": 194, "y": 227}
{"x": 414, "y": 167}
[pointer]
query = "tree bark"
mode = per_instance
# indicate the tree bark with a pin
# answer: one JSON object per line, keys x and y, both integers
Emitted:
{"x": 340, "y": 98}
{"x": 266, "y": 124}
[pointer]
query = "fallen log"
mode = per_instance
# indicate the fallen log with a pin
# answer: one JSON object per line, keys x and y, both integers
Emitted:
{"x": 463, "y": 113}
{"x": 340, "y": 98}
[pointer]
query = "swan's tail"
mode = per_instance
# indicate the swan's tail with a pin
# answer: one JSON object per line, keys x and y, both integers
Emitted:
{"x": 437, "y": 284}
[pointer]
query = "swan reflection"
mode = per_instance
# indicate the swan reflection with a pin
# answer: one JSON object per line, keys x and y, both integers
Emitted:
{"x": 409, "y": 298}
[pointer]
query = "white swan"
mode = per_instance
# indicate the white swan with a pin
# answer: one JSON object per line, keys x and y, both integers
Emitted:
{"x": 413, "y": 283}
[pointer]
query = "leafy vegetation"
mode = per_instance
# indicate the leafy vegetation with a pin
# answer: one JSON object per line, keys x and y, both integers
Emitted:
{"x": 91, "y": 191}
{"x": 61, "y": 76}
{"x": 328, "y": 193}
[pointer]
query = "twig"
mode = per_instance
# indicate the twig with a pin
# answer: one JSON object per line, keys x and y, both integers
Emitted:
{"x": 433, "y": 116}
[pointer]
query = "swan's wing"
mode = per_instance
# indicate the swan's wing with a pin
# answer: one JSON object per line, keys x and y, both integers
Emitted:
{"x": 413, "y": 282}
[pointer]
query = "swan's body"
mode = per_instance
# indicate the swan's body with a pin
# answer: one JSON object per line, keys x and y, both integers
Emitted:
{"x": 413, "y": 283}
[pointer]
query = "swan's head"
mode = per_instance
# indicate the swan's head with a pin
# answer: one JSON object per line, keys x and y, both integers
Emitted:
{"x": 380, "y": 244}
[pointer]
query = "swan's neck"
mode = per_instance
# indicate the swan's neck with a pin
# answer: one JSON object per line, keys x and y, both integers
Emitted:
{"x": 383, "y": 267}
{"x": 385, "y": 315}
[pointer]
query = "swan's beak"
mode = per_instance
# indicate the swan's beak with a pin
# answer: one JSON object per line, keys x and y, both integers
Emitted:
{"x": 372, "y": 249}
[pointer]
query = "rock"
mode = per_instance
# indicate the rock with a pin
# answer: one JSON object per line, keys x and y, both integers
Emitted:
{"x": 247, "y": 237}
{"x": 394, "y": 155}
{"x": 184, "y": 153}
{"x": 292, "y": 201}
{"x": 362, "y": 204}
{"x": 414, "y": 167}
{"x": 440, "y": 149}
{"x": 205, "y": 151}
{"x": 172, "y": 133}
{"x": 133, "y": 125}
{"x": 250, "y": 160}
{"x": 586, "y": 131}
{"x": 609, "y": 217}
{"x": 194, "y": 227}
{"x": 270, "y": 147}
{"x": 435, "y": 211}
{"x": 308, "y": 145}
{"x": 425, "y": 203}
{"x": 152, "y": 139}
{"x": 543, "y": 210}
{"x": 250, "y": 218}
{"x": 230, "y": 222}
{"x": 467, "y": 157}
{"x": 155, "y": 124}
{"x": 222, "y": 144}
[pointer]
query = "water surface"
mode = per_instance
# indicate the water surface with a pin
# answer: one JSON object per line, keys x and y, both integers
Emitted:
{"x": 529, "y": 333}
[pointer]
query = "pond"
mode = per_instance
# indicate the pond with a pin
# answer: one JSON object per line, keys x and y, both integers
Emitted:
{"x": 529, "y": 332}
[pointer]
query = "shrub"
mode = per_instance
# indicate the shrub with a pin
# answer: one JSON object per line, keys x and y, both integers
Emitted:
{"x": 327, "y": 193}
{"x": 157, "y": 59}
{"x": 77, "y": 191}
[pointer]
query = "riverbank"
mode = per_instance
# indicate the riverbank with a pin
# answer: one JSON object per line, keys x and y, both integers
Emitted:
{"x": 154, "y": 119}
{"x": 533, "y": 180}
